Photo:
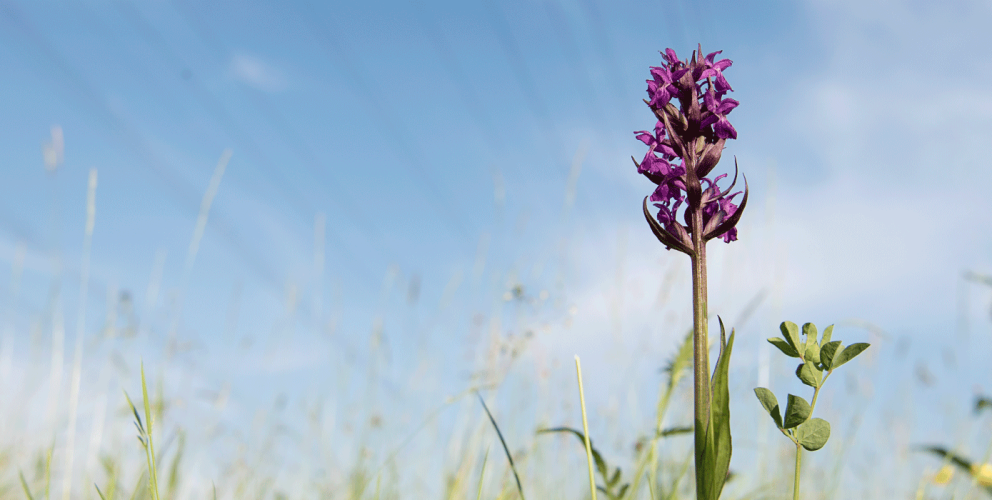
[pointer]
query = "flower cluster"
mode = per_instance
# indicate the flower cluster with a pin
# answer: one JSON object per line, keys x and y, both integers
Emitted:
{"x": 685, "y": 146}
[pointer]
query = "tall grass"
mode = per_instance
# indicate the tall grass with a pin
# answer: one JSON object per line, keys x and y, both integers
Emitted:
{"x": 444, "y": 452}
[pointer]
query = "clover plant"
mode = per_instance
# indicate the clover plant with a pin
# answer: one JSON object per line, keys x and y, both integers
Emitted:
{"x": 819, "y": 360}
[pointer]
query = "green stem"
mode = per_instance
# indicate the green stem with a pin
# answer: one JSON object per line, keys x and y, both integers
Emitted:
{"x": 816, "y": 392}
{"x": 585, "y": 428}
{"x": 799, "y": 457}
{"x": 799, "y": 447}
{"x": 700, "y": 341}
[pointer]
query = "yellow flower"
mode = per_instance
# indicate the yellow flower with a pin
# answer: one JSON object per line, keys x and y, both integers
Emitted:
{"x": 982, "y": 473}
{"x": 944, "y": 475}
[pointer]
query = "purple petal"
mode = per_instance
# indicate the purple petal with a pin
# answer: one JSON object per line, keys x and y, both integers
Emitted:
{"x": 724, "y": 130}
{"x": 645, "y": 137}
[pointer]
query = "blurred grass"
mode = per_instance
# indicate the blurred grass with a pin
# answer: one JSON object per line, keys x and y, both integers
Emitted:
{"x": 378, "y": 463}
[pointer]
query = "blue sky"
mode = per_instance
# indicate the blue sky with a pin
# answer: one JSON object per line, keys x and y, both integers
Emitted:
{"x": 455, "y": 151}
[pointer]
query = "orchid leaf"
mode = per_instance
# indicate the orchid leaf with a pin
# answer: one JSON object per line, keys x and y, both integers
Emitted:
{"x": 715, "y": 460}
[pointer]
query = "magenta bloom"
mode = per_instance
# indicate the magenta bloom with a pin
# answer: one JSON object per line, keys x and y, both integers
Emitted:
{"x": 718, "y": 109}
{"x": 687, "y": 98}
{"x": 716, "y": 69}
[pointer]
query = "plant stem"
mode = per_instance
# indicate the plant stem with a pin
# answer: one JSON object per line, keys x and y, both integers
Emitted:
{"x": 585, "y": 427}
{"x": 816, "y": 392}
{"x": 799, "y": 457}
{"x": 700, "y": 339}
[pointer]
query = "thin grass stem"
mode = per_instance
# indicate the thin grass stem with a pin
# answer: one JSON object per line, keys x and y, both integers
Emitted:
{"x": 585, "y": 428}
{"x": 509, "y": 457}
{"x": 482, "y": 474}
{"x": 24, "y": 485}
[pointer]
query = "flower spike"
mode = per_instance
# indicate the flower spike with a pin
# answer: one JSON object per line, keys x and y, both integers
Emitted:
{"x": 687, "y": 98}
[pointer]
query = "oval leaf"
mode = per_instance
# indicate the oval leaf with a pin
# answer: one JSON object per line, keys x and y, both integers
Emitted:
{"x": 784, "y": 346}
{"x": 791, "y": 334}
{"x": 809, "y": 374}
{"x": 812, "y": 347}
{"x": 848, "y": 353}
{"x": 812, "y": 353}
{"x": 770, "y": 403}
{"x": 827, "y": 332}
{"x": 796, "y": 412}
{"x": 814, "y": 434}
{"x": 828, "y": 352}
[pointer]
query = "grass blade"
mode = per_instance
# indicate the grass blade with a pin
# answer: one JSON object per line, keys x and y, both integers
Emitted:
{"x": 24, "y": 484}
{"x": 150, "y": 450}
{"x": 585, "y": 428}
{"x": 506, "y": 449}
{"x": 482, "y": 474}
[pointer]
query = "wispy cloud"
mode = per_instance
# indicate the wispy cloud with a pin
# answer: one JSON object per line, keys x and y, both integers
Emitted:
{"x": 257, "y": 73}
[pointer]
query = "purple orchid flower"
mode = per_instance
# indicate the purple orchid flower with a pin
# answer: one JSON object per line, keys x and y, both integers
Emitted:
{"x": 718, "y": 117}
{"x": 686, "y": 144}
{"x": 712, "y": 69}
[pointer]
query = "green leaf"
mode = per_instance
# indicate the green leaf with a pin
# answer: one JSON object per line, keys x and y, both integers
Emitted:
{"x": 828, "y": 352}
{"x": 24, "y": 485}
{"x": 623, "y": 490}
{"x": 791, "y": 334}
{"x": 506, "y": 448}
{"x": 715, "y": 459}
{"x": 614, "y": 479}
{"x": 827, "y": 332}
{"x": 674, "y": 431}
{"x": 770, "y": 403}
{"x": 814, "y": 434}
{"x": 812, "y": 347}
{"x": 982, "y": 403}
{"x": 784, "y": 346}
{"x": 796, "y": 411}
{"x": 600, "y": 463}
{"x": 809, "y": 374}
{"x": 848, "y": 353}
